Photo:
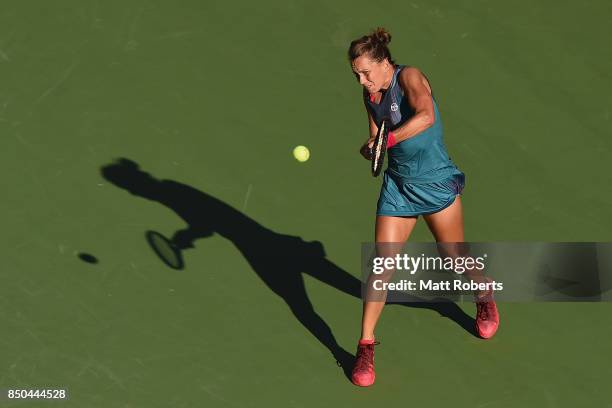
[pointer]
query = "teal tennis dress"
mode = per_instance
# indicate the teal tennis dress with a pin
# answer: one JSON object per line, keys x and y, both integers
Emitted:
{"x": 420, "y": 178}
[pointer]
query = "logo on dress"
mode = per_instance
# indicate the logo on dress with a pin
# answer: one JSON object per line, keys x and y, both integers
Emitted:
{"x": 394, "y": 107}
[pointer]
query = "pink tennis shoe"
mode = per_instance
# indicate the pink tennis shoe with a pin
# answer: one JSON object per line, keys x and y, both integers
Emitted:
{"x": 363, "y": 372}
{"x": 487, "y": 317}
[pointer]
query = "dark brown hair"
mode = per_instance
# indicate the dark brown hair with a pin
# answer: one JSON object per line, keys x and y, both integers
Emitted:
{"x": 373, "y": 45}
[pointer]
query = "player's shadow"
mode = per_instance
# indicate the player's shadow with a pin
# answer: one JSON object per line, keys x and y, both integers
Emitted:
{"x": 278, "y": 259}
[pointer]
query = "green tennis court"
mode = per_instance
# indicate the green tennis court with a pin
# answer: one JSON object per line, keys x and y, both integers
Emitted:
{"x": 100, "y": 100}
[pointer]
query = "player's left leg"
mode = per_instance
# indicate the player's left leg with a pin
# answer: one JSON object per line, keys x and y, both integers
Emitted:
{"x": 447, "y": 227}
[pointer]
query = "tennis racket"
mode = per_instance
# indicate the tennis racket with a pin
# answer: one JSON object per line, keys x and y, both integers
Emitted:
{"x": 380, "y": 147}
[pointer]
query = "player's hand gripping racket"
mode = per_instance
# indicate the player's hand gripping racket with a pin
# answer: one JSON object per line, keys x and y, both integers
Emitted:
{"x": 380, "y": 147}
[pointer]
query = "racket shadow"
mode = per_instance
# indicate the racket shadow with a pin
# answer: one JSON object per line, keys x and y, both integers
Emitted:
{"x": 278, "y": 259}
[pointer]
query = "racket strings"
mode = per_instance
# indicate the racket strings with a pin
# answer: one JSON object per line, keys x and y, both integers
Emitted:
{"x": 379, "y": 147}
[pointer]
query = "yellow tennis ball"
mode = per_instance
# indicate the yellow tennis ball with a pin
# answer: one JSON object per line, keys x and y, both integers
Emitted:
{"x": 301, "y": 153}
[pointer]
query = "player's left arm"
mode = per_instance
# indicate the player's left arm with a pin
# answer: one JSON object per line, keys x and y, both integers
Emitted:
{"x": 414, "y": 84}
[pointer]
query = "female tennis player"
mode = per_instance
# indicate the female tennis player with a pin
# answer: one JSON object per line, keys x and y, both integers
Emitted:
{"x": 420, "y": 178}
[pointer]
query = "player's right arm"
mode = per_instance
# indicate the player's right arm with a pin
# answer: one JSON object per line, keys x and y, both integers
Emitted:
{"x": 367, "y": 146}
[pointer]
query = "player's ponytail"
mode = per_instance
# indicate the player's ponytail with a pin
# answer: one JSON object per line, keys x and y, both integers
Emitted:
{"x": 373, "y": 45}
{"x": 381, "y": 36}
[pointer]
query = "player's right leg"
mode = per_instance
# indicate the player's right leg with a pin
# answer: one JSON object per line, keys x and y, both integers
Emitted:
{"x": 391, "y": 233}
